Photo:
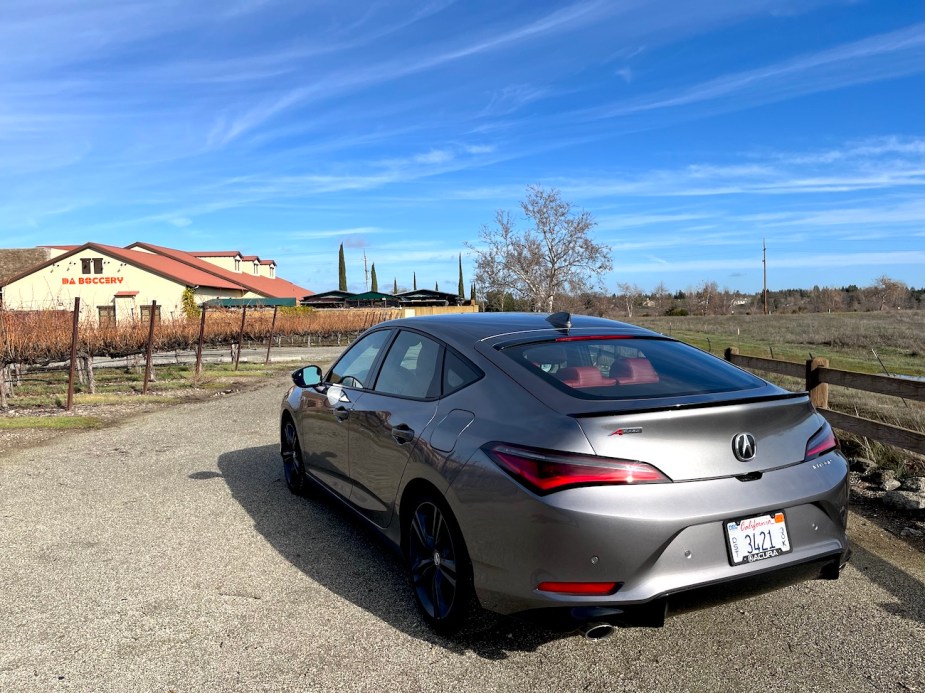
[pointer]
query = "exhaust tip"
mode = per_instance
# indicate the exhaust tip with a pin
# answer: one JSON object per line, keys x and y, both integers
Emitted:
{"x": 598, "y": 631}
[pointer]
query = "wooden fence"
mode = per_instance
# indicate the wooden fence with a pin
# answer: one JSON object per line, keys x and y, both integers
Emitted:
{"x": 818, "y": 376}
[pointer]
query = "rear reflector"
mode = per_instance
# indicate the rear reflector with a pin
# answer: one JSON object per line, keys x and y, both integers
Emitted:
{"x": 580, "y": 588}
{"x": 545, "y": 472}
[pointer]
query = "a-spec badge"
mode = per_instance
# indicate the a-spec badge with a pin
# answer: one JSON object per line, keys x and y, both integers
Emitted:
{"x": 744, "y": 447}
{"x": 626, "y": 431}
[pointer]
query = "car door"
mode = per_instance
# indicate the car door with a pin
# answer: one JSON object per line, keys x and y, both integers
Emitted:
{"x": 324, "y": 413}
{"x": 388, "y": 420}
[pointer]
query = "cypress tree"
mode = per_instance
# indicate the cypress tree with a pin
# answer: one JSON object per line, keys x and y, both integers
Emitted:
{"x": 373, "y": 282}
{"x": 415, "y": 281}
{"x": 395, "y": 285}
{"x": 436, "y": 286}
{"x": 472, "y": 292}
{"x": 341, "y": 270}
{"x": 462, "y": 287}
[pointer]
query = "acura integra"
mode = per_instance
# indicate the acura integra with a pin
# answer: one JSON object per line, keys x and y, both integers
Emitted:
{"x": 568, "y": 465}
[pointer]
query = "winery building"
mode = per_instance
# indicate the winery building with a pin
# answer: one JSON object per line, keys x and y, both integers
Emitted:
{"x": 117, "y": 284}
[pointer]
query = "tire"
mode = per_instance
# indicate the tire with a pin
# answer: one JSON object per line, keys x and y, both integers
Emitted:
{"x": 441, "y": 573}
{"x": 293, "y": 466}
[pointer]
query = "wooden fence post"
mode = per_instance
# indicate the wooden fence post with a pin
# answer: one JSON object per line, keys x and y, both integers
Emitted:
{"x": 237, "y": 356}
{"x": 202, "y": 332}
{"x": 270, "y": 342}
{"x": 149, "y": 348}
{"x": 4, "y": 371}
{"x": 72, "y": 373}
{"x": 818, "y": 391}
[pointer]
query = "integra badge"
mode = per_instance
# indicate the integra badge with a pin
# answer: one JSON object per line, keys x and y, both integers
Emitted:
{"x": 626, "y": 431}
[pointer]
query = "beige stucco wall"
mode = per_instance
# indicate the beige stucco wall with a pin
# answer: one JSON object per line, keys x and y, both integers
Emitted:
{"x": 56, "y": 286}
{"x": 223, "y": 262}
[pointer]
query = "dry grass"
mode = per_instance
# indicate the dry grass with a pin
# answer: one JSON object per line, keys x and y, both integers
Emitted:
{"x": 846, "y": 339}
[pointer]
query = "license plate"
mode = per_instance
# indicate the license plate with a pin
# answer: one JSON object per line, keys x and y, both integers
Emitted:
{"x": 757, "y": 538}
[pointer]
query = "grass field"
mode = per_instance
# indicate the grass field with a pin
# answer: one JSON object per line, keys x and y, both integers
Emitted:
{"x": 848, "y": 340}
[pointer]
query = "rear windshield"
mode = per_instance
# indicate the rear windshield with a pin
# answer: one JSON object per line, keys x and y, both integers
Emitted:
{"x": 607, "y": 368}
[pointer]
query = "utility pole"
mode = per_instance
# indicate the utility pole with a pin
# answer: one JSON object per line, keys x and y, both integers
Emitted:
{"x": 764, "y": 261}
{"x": 365, "y": 272}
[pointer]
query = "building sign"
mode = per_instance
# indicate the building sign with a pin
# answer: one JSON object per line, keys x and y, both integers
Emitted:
{"x": 93, "y": 280}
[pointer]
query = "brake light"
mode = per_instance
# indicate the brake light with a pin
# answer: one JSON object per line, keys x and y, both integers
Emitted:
{"x": 821, "y": 442}
{"x": 545, "y": 472}
{"x": 594, "y": 337}
{"x": 580, "y": 588}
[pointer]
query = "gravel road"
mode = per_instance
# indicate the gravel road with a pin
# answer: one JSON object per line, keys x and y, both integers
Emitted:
{"x": 166, "y": 555}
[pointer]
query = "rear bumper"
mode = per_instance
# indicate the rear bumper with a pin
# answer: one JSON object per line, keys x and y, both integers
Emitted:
{"x": 657, "y": 541}
{"x": 652, "y": 614}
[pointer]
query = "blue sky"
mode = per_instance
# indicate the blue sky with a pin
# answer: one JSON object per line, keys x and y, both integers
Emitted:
{"x": 690, "y": 130}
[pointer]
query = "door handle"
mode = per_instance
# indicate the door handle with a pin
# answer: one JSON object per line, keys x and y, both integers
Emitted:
{"x": 341, "y": 413}
{"x": 402, "y": 434}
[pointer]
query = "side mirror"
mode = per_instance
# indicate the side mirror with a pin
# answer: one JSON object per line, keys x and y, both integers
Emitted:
{"x": 310, "y": 376}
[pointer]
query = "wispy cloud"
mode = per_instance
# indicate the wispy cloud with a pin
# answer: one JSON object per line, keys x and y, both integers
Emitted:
{"x": 811, "y": 261}
{"x": 885, "y": 56}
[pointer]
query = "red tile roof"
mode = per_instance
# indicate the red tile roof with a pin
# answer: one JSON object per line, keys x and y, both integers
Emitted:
{"x": 214, "y": 253}
{"x": 271, "y": 288}
{"x": 161, "y": 265}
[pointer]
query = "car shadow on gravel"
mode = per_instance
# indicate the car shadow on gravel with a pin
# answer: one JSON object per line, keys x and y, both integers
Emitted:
{"x": 339, "y": 551}
{"x": 905, "y": 588}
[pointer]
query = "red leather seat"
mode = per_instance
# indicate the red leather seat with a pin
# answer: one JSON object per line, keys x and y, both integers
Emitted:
{"x": 584, "y": 376}
{"x": 636, "y": 371}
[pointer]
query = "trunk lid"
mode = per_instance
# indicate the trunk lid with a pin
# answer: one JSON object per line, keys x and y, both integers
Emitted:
{"x": 688, "y": 444}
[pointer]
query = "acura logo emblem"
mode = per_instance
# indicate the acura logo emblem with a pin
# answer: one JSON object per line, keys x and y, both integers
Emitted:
{"x": 744, "y": 447}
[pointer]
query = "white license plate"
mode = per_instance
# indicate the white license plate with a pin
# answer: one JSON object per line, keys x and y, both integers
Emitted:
{"x": 757, "y": 538}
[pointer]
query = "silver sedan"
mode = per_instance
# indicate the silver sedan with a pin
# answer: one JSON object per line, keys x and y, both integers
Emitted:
{"x": 568, "y": 466}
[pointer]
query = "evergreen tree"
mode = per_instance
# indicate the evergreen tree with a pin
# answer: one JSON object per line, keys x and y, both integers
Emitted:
{"x": 374, "y": 283}
{"x": 436, "y": 286}
{"x": 462, "y": 287}
{"x": 395, "y": 285}
{"x": 415, "y": 281}
{"x": 341, "y": 270}
{"x": 472, "y": 292}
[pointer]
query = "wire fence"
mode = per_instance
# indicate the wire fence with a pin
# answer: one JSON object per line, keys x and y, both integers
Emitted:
{"x": 37, "y": 344}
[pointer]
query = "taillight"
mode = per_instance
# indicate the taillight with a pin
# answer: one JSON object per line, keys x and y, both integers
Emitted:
{"x": 821, "y": 442}
{"x": 545, "y": 472}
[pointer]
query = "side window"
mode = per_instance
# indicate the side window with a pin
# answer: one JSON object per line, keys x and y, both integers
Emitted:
{"x": 107, "y": 315}
{"x": 146, "y": 315}
{"x": 457, "y": 373}
{"x": 411, "y": 368}
{"x": 353, "y": 368}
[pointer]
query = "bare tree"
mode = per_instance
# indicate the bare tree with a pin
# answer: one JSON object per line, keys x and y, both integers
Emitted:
{"x": 555, "y": 256}
{"x": 662, "y": 297}
{"x": 833, "y": 299}
{"x": 888, "y": 292}
{"x": 630, "y": 294}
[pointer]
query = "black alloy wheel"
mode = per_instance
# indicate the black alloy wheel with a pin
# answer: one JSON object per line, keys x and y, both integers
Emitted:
{"x": 441, "y": 574}
{"x": 293, "y": 467}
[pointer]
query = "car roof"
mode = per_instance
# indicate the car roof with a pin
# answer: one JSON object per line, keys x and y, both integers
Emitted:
{"x": 462, "y": 330}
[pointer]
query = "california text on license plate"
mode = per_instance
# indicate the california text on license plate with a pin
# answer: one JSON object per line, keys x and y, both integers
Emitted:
{"x": 757, "y": 538}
